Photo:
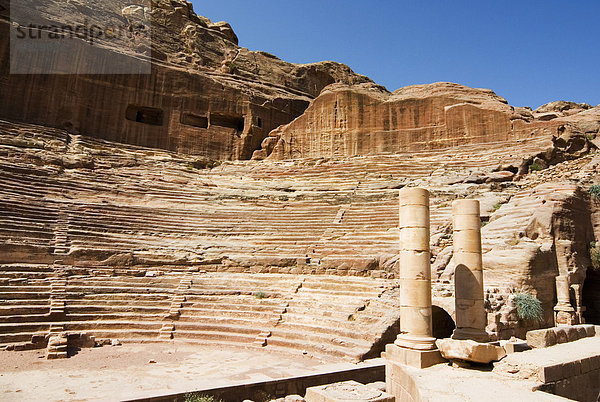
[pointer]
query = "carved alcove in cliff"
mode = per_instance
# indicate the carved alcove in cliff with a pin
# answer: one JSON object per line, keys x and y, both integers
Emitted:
{"x": 591, "y": 297}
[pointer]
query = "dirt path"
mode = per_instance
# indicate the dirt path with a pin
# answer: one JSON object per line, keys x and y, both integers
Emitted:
{"x": 114, "y": 373}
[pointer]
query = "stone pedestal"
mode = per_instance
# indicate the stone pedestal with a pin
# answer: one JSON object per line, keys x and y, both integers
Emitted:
{"x": 346, "y": 391}
{"x": 410, "y": 357}
{"x": 564, "y": 313}
{"x": 471, "y": 318}
{"x": 415, "y": 271}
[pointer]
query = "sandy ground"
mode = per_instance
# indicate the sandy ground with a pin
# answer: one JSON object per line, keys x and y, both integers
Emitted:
{"x": 113, "y": 373}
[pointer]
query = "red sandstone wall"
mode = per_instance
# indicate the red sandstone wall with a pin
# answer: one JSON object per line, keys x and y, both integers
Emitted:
{"x": 97, "y": 106}
{"x": 364, "y": 119}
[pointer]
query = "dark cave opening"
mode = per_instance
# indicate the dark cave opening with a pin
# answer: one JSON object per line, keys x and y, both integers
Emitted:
{"x": 443, "y": 324}
{"x": 591, "y": 297}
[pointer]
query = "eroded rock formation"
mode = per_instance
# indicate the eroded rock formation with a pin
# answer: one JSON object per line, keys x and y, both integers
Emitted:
{"x": 364, "y": 119}
{"x": 205, "y": 95}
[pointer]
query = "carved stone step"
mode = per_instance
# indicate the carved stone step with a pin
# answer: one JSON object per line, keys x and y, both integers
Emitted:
{"x": 56, "y": 355}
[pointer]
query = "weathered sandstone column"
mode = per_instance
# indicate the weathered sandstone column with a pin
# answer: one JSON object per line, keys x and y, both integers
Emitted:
{"x": 564, "y": 313}
{"x": 468, "y": 277}
{"x": 579, "y": 307}
{"x": 415, "y": 346}
{"x": 415, "y": 271}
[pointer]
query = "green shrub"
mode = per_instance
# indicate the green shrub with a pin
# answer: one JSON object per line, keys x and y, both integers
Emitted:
{"x": 496, "y": 206}
{"x": 529, "y": 308}
{"x": 192, "y": 397}
{"x": 535, "y": 167}
{"x": 590, "y": 136}
{"x": 595, "y": 255}
{"x": 232, "y": 67}
{"x": 260, "y": 295}
{"x": 595, "y": 191}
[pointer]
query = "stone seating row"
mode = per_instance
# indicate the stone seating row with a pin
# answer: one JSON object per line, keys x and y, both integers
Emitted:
{"x": 297, "y": 313}
{"x": 269, "y": 228}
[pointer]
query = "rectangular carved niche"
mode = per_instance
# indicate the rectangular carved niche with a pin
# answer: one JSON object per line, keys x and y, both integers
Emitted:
{"x": 145, "y": 115}
{"x": 227, "y": 120}
{"x": 195, "y": 120}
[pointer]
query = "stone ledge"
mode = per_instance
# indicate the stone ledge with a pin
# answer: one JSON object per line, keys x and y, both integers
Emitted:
{"x": 546, "y": 337}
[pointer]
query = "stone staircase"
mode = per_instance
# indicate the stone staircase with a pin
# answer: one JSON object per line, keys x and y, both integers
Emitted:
{"x": 57, "y": 346}
{"x": 62, "y": 244}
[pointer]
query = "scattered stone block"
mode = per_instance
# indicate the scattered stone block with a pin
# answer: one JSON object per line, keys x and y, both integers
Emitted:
{"x": 515, "y": 346}
{"x": 572, "y": 334}
{"x": 561, "y": 335}
{"x": 470, "y": 351}
{"x": 541, "y": 338}
{"x": 346, "y": 391}
{"x": 380, "y": 385}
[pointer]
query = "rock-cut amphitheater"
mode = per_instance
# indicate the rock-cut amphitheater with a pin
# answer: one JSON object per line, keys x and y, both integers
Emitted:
{"x": 230, "y": 200}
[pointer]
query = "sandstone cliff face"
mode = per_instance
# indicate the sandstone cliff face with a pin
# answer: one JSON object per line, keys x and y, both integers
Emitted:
{"x": 539, "y": 234}
{"x": 542, "y": 232}
{"x": 205, "y": 95}
{"x": 363, "y": 119}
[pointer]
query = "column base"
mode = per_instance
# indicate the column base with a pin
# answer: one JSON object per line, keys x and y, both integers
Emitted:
{"x": 346, "y": 391}
{"x": 414, "y": 358}
{"x": 565, "y": 315}
{"x": 415, "y": 342}
{"x": 473, "y": 334}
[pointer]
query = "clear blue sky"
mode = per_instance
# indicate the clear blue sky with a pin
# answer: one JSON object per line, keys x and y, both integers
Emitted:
{"x": 530, "y": 52}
